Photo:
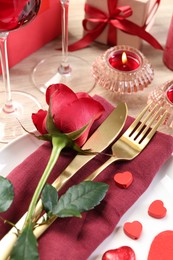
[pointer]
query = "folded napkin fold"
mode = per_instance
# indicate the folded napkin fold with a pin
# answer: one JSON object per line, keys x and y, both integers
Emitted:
{"x": 74, "y": 238}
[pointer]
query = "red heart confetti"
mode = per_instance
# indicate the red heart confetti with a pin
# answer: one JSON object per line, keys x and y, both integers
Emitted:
{"x": 124, "y": 179}
{"x": 133, "y": 229}
{"x": 162, "y": 246}
{"x": 157, "y": 209}
{"x": 121, "y": 253}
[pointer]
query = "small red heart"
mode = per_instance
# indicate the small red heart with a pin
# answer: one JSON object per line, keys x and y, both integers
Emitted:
{"x": 162, "y": 246}
{"x": 157, "y": 209}
{"x": 121, "y": 253}
{"x": 123, "y": 179}
{"x": 133, "y": 229}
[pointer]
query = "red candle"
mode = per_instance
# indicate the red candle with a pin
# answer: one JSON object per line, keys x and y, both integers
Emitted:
{"x": 125, "y": 60}
{"x": 170, "y": 93}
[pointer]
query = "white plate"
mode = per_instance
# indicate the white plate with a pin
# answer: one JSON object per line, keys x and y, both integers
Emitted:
{"x": 161, "y": 188}
{"x": 15, "y": 152}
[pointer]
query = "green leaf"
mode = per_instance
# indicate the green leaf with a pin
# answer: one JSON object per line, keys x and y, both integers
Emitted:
{"x": 69, "y": 212}
{"x": 49, "y": 198}
{"x": 6, "y": 194}
{"x": 83, "y": 152}
{"x": 82, "y": 197}
{"x": 26, "y": 246}
{"x": 50, "y": 126}
{"x": 76, "y": 134}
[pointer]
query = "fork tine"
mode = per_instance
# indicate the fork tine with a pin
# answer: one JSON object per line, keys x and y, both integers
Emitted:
{"x": 147, "y": 127}
{"x": 143, "y": 123}
{"x": 154, "y": 129}
{"x": 129, "y": 131}
{"x": 159, "y": 122}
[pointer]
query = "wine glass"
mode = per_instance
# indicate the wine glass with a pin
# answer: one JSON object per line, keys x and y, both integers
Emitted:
{"x": 63, "y": 68}
{"x": 14, "y": 14}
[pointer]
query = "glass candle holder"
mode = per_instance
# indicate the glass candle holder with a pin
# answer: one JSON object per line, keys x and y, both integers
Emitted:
{"x": 122, "y": 69}
{"x": 168, "y": 51}
{"x": 163, "y": 95}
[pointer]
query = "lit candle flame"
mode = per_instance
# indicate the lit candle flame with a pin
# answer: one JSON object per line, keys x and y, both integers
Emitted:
{"x": 124, "y": 58}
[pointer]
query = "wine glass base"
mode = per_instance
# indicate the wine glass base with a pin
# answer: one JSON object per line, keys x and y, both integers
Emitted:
{"x": 10, "y": 122}
{"x": 48, "y": 72}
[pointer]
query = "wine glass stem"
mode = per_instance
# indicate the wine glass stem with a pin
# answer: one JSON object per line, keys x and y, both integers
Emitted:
{"x": 65, "y": 67}
{"x": 8, "y": 106}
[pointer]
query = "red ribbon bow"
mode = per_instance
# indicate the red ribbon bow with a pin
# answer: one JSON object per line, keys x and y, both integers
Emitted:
{"x": 117, "y": 19}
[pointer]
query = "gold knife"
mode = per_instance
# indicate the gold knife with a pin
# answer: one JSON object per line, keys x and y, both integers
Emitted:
{"x": 100, "y": 139}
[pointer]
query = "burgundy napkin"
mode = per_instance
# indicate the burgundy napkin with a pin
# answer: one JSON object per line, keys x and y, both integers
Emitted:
{"x": 74, "y": 238}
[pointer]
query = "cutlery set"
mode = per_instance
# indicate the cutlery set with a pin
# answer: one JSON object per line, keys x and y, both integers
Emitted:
{"x": 127, "y": 147}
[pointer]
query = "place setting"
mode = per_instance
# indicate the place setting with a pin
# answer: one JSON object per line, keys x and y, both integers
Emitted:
{"x": 88, "y": 180}
{"x": 108, "y": 211}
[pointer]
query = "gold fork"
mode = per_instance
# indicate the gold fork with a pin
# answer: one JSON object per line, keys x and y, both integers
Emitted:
{"x": 135, "y": 138}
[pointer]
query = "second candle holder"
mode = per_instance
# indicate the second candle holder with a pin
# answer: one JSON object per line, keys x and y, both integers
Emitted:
{"x": 122, "y": 69}
{"x": 163, "y": 96}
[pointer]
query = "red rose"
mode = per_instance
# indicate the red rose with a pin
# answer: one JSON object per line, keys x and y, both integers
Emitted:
{"x": 70, "y": 111}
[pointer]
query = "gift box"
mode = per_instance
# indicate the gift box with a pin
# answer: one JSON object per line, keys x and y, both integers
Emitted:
{"x": 45, "y": 27}
{"x": 121, "y": 17}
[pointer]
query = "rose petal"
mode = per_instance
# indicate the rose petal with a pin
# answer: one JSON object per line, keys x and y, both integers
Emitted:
{"x": 83, "y": 95}
{"x": 77, "y": 114}
{"x": 39, "y": 120}
{"x": 61, "y": 92}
